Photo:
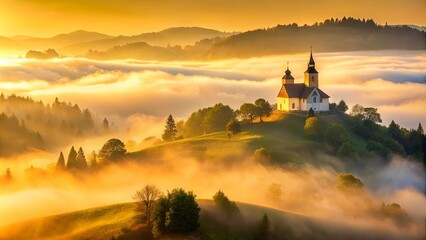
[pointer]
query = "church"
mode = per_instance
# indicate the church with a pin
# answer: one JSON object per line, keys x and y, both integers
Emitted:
{"x": 302, "y": 96}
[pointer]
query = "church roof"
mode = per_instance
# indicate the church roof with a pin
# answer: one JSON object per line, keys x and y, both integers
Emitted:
{"x": 311, "y": 70}
{"x": 288, "y": 75}
{"x": 299, "y": 90}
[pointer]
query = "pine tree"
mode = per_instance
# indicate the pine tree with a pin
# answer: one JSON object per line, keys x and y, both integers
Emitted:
{"x": 72, "y": 159}
{"x": 81, "y": 159}
{"x": 170, "y": 130}
{"x": 420, "y": 129}
{"x": 92, "y": 159}
{"x": 105, "y": 124}
{"x": 60, "y": 165}
{"x": 8, "y": 175}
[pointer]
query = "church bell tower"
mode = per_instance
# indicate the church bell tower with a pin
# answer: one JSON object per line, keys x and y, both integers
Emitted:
{"x": 311, "y": 74}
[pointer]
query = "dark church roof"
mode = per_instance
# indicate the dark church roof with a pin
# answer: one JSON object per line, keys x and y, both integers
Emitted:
{"x": 311, "y": 65}
{"x": 288, "y": 75}
{"x": 299, "y": 90}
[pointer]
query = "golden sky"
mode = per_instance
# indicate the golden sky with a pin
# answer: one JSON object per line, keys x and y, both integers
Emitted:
{"x": 50, "y": 17}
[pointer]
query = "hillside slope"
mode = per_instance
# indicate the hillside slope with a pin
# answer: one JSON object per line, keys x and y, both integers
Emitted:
{"x": 282, "y": 135}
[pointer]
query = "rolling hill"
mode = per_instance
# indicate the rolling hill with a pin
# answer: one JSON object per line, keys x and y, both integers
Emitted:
{"x": 182, "y": 36}
{"x": 120, "y": 221}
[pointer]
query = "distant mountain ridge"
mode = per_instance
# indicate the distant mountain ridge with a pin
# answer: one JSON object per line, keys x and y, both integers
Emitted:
{"x": 196, "y": 43}
{"x": 182, "y": 36}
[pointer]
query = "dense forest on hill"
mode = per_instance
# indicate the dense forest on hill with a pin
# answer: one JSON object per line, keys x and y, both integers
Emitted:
{"x": 26, "y": 123}
{"x": 332, "y": 35}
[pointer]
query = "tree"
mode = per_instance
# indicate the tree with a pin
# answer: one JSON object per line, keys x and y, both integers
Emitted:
{"x": 81, "y": 159}
{"x": 274, "y": 192}
{"x": 420, "y": 129}
{"x": 92, "y": 160}
{"x": 113, "y": 149}
{"x": 357, "y": 110}
{"x": 371, "y": 114}
{"x": 233, "y": 126}
{"x": 177, "y": 212}
{"x": 262, "y": 154}
{"x": 346, "y": 149}
{"x": 230, "y": 208}
{"x": 248, "y": 111}
{"x": 217, "y": 118}
{"x": 332, "y": 107}
{"x": 342, "y": 107}
{"x": 170, "y": 130}
{"x": 60, "y": 165}
{"x": 394, "y": 131}
{"x": 105, "y": 125}
{"x": 311, "y": 113}
{"x": 263, "y": 108}
{"x": 147, "y": 198}
{"x": 348, "y": 182}
{"x": 263, "y": 229}
{"x": 336, "y": 135}
{"x": 8, "y": 175}
{"x": 72, "y": 159}
{"x": 311, "y": 128}
{"x": 194, "y": 125}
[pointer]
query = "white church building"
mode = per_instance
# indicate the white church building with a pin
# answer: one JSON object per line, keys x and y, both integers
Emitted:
{"x": 302, "y": 96}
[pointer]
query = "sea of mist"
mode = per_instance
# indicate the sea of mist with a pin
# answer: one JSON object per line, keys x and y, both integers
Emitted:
{"x": 136, "y": 96}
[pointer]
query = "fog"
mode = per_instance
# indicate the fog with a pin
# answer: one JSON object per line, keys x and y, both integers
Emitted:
{"x": 137, "y": 96}
{"x": 392, "y": 81}
{"x": 310, "y": 191}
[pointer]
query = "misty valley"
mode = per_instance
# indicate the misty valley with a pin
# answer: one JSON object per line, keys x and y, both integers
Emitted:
{"x": 286, "y": 132}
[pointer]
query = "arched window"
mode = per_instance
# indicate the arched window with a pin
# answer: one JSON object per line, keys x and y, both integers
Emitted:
{"x": 292, "y": 105}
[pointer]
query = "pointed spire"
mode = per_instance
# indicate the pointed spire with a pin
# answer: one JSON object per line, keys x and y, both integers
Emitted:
{"x": 311, "y": 60}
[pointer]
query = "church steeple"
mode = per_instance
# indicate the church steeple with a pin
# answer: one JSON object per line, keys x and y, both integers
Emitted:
{"x": 311, "y": 74}
{"x": 311, "y": 61}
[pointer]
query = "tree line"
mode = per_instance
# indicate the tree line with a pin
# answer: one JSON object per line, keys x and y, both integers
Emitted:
{"x": 219, "y": 117}
{"x": 33, "y": 124}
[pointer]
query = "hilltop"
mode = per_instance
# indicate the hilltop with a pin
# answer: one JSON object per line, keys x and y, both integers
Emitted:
{"x": 281, "y": 134}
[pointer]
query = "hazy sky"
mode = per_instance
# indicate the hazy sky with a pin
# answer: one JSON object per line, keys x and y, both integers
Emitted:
{"x": 50, "y": 17}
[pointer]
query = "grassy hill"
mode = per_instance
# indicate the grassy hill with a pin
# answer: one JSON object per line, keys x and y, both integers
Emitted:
{"x": 281, "y": 134}
{"x": 120, "y": 221}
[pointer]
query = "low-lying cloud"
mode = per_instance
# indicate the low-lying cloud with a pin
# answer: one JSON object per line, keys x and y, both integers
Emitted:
{"x": 393, "y": 81}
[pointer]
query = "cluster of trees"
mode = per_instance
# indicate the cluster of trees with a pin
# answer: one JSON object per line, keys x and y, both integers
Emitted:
{"x": 226, "y": 206}
{"x": 384, "y": 140}
{"x": 42, "y": 125}
{"x": 76, "y": 160}
{"x": 113, "y": 150}
{"x": 334, "y": 135}
{"x": 221, "y": 117}
{"x": 365, "y": 122}
{"x": 49, "y": 53}
{"x": 16, "y": 137}
{"x": 250, "y": 111}
{"x": 353, "y": 186}
{"x": 175, "y": 212}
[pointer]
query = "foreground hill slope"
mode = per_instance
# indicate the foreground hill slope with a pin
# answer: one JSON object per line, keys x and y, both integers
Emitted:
{"x": 120, "y": 221}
